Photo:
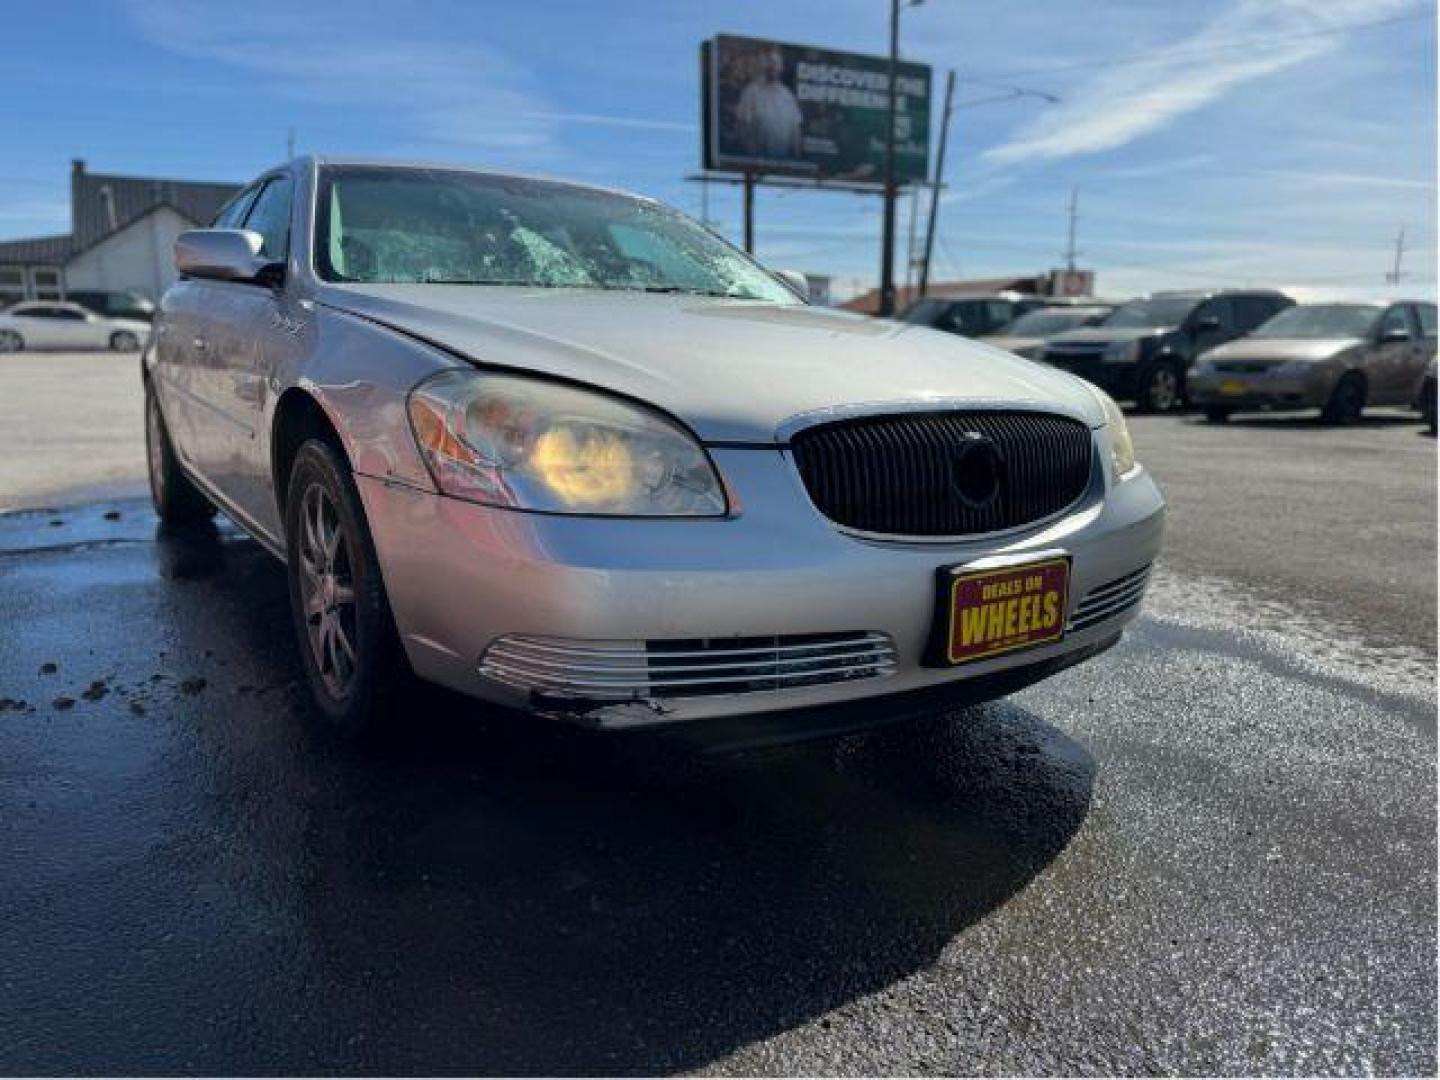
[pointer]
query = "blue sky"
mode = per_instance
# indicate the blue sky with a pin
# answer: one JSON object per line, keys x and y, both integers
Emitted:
{"x": 1212, "y": 142}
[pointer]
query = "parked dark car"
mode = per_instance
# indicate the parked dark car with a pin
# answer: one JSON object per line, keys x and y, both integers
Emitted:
{"x": 1142, "y": 351}
{"x": 114, "y": 305}
{"x": 972, "y": 316}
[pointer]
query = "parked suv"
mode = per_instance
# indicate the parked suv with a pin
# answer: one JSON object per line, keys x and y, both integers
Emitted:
{"x": 1141, "y": 352}
{"x": 114, "y": 305}
{"x": 972, "y": 316}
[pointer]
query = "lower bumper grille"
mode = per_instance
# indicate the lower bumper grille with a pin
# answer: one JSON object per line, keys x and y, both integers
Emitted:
{"x": 1110, "y": 599}
{"x": 625, "y": 670}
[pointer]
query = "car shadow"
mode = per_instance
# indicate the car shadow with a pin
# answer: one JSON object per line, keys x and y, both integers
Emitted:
{"x": 485, "y": 893}
{"x": 1296, "y": 421}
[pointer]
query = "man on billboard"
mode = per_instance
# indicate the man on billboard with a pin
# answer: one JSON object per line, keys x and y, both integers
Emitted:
{"x": 769, "y": 116}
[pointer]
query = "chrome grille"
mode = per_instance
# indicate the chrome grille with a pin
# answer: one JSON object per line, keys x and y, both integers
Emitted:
{"x": 1110, "y": 599}
{"x": 896, "y": 474}
{"x": 623, "y": 670}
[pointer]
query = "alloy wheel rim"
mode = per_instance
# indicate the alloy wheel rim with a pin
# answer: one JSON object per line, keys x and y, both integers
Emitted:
{"x": 327, "y": 592}
{"x": 1162, "y": 389}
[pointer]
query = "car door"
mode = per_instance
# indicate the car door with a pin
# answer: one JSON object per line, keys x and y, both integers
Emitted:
{"x": 177, "y": 362}
{"x": 1391, "y": 356}
{"x": 1209, "y": 325}
{"x": 246, "y": 329}
{"x": 1412, "y": 363}
{"x": 43, "y": 326}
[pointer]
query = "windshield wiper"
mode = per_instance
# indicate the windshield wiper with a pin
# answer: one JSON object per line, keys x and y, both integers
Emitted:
{"x": 693, "y": 292}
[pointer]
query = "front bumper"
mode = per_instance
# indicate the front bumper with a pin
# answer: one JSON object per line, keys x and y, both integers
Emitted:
{"x": 462, "y": 576}
{"x": 1258, "y": 390}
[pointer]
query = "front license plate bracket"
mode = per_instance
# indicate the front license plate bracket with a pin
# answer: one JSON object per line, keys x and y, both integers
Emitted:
{"x": 986, "y": 610}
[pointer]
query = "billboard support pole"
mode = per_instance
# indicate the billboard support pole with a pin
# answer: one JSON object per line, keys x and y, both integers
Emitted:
{"x": 887, "y": 237}
{"x": 939, "y": 179}
{"x": 749, "y": 213}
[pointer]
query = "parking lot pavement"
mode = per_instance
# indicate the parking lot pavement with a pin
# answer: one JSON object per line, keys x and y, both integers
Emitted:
{"x": 71, "y": 427}
{"x": 1209, "y": 851}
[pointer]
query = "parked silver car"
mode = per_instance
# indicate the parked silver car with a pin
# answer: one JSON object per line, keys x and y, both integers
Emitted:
{"x": 55, "y": 324}
{"x": 562, "y": 449}
{"x": 1337, "y": 358}
{"x": 1027, "y": 335}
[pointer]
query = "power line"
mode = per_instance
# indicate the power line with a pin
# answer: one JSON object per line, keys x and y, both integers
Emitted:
{"x": 1185, "y": 52}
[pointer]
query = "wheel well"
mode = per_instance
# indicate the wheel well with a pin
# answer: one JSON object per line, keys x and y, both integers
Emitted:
{"x": 298, "y": 418}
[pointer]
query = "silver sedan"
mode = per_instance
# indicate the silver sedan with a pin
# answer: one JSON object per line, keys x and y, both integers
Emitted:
{"x": 561, "y": 449}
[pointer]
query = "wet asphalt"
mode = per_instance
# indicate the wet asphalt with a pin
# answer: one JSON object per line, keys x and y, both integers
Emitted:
{"x": 1211, "y": 850}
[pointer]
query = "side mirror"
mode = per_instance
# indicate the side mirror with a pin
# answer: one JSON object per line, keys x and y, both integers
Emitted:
{"x": 796, "y": 281}
{"x": 219, "y": 254}
{"x": 1208, "y": 325}
{"x": 1394, "y": 335}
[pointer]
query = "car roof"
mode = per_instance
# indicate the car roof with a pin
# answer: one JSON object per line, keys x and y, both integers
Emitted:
{"x": 1205, "y": 294}
{"x": 49, "y": 304}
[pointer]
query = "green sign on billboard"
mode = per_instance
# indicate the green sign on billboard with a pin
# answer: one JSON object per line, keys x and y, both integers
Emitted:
{"x": 777, "y": 108}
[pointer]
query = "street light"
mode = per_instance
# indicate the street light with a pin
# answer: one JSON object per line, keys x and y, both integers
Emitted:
{"x": 887, "y": 239}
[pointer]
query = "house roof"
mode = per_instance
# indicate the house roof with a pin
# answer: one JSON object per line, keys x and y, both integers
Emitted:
{"x": 36, "y": 251}
{"x": 100, "y": 203}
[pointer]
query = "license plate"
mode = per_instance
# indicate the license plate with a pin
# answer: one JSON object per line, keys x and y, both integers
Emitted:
{"x": 987, "y": 613}
{"x": 1234, "y": 388}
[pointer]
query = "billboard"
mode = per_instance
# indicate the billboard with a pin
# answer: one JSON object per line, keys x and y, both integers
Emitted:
{"x": 770, "y": 107}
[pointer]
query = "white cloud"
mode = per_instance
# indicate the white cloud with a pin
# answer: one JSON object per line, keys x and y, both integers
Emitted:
{"x": 1248, "y": 40}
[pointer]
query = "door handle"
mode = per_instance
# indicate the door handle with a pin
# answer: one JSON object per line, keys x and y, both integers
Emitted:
{"x": 200, "y": 344}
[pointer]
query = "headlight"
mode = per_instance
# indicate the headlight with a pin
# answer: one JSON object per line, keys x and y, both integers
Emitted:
{"x": 1122, "y": 352}
{"x": 1122, "y": 447}
{"x": 506, "y": 440}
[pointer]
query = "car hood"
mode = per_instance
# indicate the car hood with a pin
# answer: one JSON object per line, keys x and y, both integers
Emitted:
{"x": 734, "y": 371}
{"x": 1103, "y": 335}
{"x": 1010, "y": 344}
{"x": 1280, "y": 349}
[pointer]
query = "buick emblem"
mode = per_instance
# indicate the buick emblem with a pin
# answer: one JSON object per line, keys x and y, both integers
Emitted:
{"x": 977, "y": 470}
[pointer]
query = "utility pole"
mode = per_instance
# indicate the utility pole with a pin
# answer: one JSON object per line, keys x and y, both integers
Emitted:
{"x": 939, "y": 181}
{"x": 887, "y": 234}
{"x": 290, "y": 145}
{"x": 1070, "y": 251}
{"x": 748, "y": 210}
{"x": 910, "y": 241}
{"x": 1393, "y": 277}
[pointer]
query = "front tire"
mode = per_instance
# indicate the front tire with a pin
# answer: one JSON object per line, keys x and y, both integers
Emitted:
{"x": 1160, "y": 389}
{"x": 177, "y": 501}
{"x": 353, "y": 659}
{"x": 1347, "y": 401}
{"x": 1427, "y": 406}
{"x": 1218, "y": 414}
{"x": 124, "y": 341}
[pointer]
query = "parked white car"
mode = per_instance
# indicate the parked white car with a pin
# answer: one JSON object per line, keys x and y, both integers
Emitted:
{"x": 51, "y": 324}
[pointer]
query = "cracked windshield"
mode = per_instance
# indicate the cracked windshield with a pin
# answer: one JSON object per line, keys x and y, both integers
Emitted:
{"x": 384, "y": 226}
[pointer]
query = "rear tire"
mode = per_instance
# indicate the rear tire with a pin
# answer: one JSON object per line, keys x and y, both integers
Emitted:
{"x": 1218, "y": 414}
{"x": 10, "y": 341}
{"x": 1347, "y": 401}
{"x": 1160, "y": 387}
{"x": 124, "y": 341}
{"x": 353, "y": 659}
{"x": 1427, "y": 405}
{"x": 177, "y": 501}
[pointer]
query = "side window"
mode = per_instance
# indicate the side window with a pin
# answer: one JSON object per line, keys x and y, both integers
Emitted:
{"x": 1395, "y": 322}
{"x": 998, "y": 313}
{"x": 1209, "y": 310}
{"x": 1426, "y": 314}
{"x": 270, "y": 217}
{"x": 233, "y": 212}
{"x": 69, "y": 313}
{"x": 38, "y": 312}
{"x": 963, "y": 317}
